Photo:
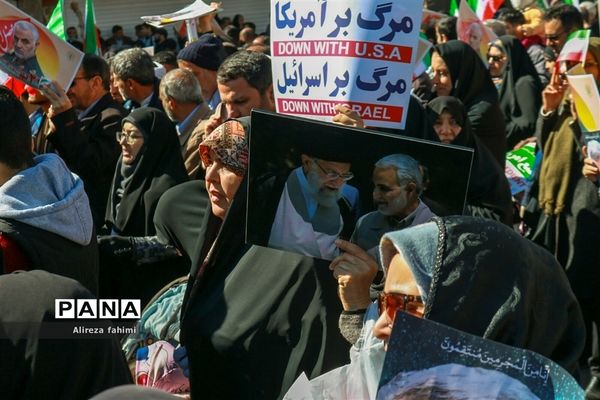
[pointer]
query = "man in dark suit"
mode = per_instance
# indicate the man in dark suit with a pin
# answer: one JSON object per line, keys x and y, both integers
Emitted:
{"x": 87, "y": 141}
{"x": 133, "y": 74}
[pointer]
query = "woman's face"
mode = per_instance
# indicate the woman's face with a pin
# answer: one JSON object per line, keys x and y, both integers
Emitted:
{"x": 442, "y": 81}
{"x": 221, "y": 185}
{"x": 131, "y": 142}
{"x": 497, "y": 60}
{"x": 399, "y": 280}
{"x": 446, "y": 127}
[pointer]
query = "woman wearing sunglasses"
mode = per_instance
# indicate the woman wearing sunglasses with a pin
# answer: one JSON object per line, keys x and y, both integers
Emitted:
{"x": 519, "y": 87}
{"x": 471, "y": 274}
{"x": 481, "y": 277}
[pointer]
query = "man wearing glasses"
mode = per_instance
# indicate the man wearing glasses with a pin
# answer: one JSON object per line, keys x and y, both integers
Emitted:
{"x": 316, "y": 207}
{"x": 559, "y": 22}
{"x": 86, "y": 119}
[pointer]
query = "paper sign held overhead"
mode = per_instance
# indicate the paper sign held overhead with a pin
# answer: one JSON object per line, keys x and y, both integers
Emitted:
{"x": 194, "y": 10}
{"x": 356, "y": 53}
{"x": 31, "y": 53}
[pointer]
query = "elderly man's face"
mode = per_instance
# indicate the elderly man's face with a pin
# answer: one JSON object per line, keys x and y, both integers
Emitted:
{"x": 24, "y": 43}
{"x": 326, "y": 179}
{"x": 475, "y": 35}
{"x": 390, "y": 198}
{"x": 164, "y": 99}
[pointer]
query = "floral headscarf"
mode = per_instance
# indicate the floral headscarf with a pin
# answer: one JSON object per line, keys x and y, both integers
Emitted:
{"x": 229, "y": 142}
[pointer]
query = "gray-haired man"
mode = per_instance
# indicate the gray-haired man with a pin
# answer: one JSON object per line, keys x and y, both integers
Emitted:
{"x": 23, "y": 61}
{"x": 398, "y": 184}
{"x": 181, "y": 96}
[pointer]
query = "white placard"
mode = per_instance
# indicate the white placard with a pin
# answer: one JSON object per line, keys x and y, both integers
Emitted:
{"x": 349, "y": 52}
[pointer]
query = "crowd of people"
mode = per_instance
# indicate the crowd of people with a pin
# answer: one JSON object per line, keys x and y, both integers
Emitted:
{"x": 132, "y": 184}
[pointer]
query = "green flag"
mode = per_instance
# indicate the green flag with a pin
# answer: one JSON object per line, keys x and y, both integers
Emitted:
{"x": 455, "y": 3}
{"x": 56, "y": 23}
{"x": 91, "y": 38}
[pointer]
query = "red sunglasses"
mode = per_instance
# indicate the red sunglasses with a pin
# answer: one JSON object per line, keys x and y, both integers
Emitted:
{"x": 392, "y": 302}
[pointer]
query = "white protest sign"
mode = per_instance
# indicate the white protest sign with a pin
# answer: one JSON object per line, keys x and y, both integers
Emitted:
{"x": 587, "y": 101}
{"x": 350, "y": 52}
{"x": 194, "y": 10}
{"x": 38, "y": 56}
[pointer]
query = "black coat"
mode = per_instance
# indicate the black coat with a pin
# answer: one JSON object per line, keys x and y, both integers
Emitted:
{"x": 34, "y": 367}
{"x": 254, "y": 318}
{"x": 56, "y": 254}
{"x": 158, "y": 167}
{"x": 490, "y": 282}
{"x": 90, "y": 149}
{"x": 472, "y": 84}
{"x": 488, "y": 194}
{"x": 520, "y": 93}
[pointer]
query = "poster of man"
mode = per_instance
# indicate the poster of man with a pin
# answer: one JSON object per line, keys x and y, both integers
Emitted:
{"x": 31, "y": 53}
{"x": 463, "y": 366}
{"x": 310, "y": 186}
{"x": 26, "y": 39}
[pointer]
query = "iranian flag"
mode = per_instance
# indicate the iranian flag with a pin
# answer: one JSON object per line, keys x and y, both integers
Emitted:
{"x": 576, "y": 47}
{"x": 91, "y": 45}
{"x": 56, "y": 23}
{"x": 485, "y": 9}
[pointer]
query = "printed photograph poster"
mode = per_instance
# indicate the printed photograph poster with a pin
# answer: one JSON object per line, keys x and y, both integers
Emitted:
{"x": 440, "y": 360}
{"x": 31, "y": 53}
{"x": 294, "y": 203}
{"x": 471, "y": 30}
{"x": 353, "y": 52}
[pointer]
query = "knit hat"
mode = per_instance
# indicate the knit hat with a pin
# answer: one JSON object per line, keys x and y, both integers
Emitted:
{"x": 418, "y": 246}
{"x": 206, "y": 52}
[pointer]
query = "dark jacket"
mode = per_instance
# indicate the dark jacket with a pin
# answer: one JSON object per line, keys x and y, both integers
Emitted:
{"x": 35, "y": 367}
{"x": 54, "y": 253}
{"x": 489, "y": 281}
{"x": 488, "y": 195}
{"x": 158, "y": 167}
{"x": 90, "y": 149}
{"x": 254, "y": 318}
{"x": 520, "y": 92}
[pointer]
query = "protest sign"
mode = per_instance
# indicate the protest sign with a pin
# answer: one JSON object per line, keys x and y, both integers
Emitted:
{"x": 587, "y": 101}
{"x": 284, "y": 149}
{"x": 472, "y": 31}
{"x": 31, "y": 53}
{"x": 587, "y": 105}
{"x": 349, "y": 52}
{"x": 194, "y": 10}
{"x": 466, "y": 366}
{"x": 519, "y": 168}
